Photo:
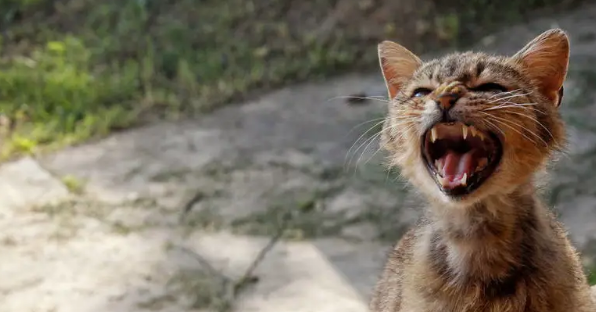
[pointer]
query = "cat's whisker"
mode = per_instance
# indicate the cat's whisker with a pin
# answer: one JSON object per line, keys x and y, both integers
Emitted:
{"x": 526, "y": 107}
{"x": 399, "y": 123}
{"x": 525, "y": 110}
{"x": 508, "y": 122}
{"x": 348, "y": 161}
{"x": 516, "y": 104}
{"x": 373, "y": 98}
{"x": 366, "y": 143}
{"x": 408, "y": 128}
{"x": 533, "y": 119}
{"x": 350, "y": 155}
{"x": 516, "y": 130}
{"x": 373, "y": 155}
{"x": 366, "y": 148}
{"x": 510, "y": 105}
{"x": 494, "y": 126}
{"x": 381, "y": 119}
{"x": 508, "y": 101}
{"x": 406, "y": 119}
{"x": 405, "y": 131}
{"x": 406, "y": 116}
{"x": 370, "y": 141}
{"x": 502, "y": 94}
{"x": 507, "y": 95}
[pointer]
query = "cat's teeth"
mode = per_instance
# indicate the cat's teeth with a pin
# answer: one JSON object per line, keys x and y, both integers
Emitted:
{"x": 476, "y": 133}
{"x": 439, "y": 165}
{"x": 464, "y": 131}
{"x": 473, "y": 130}
{"x": 464, "y": 179}
{"x": 442, "y": 180}
{"x": 433, "y": 135}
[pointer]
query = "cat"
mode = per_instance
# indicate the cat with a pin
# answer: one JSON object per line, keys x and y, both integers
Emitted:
{"x": 470, "y": 131}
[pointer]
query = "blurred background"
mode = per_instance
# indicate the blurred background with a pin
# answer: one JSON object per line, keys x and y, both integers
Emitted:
{"x": 201, "y": 155}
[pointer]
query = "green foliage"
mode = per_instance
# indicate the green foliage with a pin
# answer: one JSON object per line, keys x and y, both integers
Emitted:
{"x": 591, "y": 274}
{"x": 121, "y": 60}
{"x": 53, "y": 96}
{"x": 77, "y": 69}
{"x": 476, "y": 17}
{"x": 73, "y": 184}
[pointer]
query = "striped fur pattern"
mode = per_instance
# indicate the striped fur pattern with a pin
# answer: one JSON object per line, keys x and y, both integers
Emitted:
{"x": 498, "y": 248}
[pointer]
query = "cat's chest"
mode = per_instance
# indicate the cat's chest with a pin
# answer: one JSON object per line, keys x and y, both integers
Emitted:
{"x": 465, "y": 304}
{"x": 523, "y": 298}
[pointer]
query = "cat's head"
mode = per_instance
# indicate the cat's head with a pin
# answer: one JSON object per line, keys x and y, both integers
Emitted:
{"x": 470, "y": 125}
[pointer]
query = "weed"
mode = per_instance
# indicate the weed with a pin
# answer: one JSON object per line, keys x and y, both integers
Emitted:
{"x": 73, "y": 184}
{"x": 592, "y": 277}
{"x": 52, "y": 97}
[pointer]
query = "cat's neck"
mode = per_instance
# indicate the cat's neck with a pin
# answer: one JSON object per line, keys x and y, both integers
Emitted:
{"x": 502, "y": 231}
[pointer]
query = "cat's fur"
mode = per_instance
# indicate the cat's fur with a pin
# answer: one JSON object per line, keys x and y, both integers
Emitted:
{"x": 497, "y": 249}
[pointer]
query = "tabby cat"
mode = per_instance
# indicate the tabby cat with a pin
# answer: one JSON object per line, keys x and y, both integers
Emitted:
{"x": 471, "y": 131}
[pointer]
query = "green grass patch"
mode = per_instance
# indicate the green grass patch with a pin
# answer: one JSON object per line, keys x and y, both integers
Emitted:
{"x": 590, "y": 271}
{"x": 592, "y": 277}
{"x": 52, "y": 98}
{"x": 73, "y": 184}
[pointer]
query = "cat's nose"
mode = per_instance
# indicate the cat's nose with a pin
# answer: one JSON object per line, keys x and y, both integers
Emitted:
{"x": 448, "y": 95}
{"x": 447, "y": 100}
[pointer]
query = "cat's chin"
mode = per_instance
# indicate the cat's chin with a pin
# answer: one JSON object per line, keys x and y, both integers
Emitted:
{"x": 460, "y": 158}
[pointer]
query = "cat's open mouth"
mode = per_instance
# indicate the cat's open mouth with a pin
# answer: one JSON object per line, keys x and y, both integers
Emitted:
{"x": 460, "y": 157}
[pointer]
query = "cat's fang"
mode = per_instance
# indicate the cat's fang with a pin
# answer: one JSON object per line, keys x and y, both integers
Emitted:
{"x": 439, "y": 165}
{"x": 476, "y": 133}
{"x": 433, "y": 135}
{"x": 443, "y": 181}
{"x": 473, "y": 131}
{"x": 464, "y": 179}
{"x": 464, "y": 131}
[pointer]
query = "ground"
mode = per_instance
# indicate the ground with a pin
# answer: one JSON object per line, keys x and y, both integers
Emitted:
{"x": 277, "y": 204}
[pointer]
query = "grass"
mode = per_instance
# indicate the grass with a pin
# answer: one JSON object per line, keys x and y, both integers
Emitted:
{"x": 590, "y": 264}
{"x": 78, "y": 69}
{"x": 73, "y": 184}
{"x": 592, "y": 278}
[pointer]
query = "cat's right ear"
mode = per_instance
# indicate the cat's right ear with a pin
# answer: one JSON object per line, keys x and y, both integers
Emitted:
{"x": 398, "y": 65}
{"x": 545, "y": 60}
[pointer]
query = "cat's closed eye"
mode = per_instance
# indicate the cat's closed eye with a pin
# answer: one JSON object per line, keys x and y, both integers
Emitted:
{"x": 489, "y": 87}
{"x": 420, "y": 92}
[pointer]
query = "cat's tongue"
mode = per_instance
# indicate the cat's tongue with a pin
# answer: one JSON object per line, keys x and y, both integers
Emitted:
{"x": 457, "y": 168}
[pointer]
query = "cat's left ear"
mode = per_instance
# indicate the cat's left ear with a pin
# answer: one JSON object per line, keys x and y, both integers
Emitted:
{"x": 545, "y": 60}
{"x": 398, "y": 65}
